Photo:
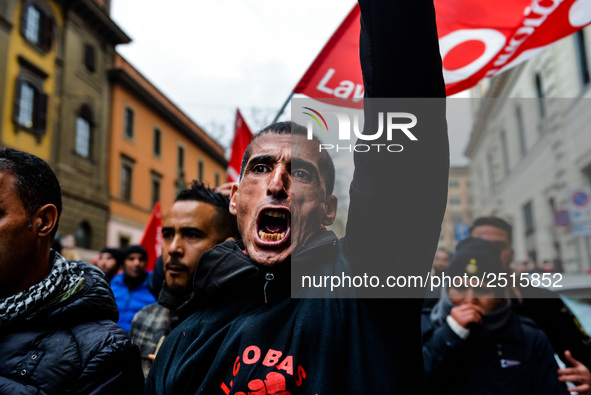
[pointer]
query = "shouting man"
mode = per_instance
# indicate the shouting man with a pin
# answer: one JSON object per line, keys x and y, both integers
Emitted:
{"x": 248, "y": 335}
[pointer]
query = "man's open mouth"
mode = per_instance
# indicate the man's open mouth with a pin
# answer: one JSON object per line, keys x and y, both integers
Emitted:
{"x": 273, "y": 224}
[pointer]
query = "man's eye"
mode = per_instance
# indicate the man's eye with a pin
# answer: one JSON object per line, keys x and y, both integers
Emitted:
{"x": 259, "y": 168}
{"x": 166, "y": 235}
{"x": 301, "y": 174}
{"x": 192, "y": 235}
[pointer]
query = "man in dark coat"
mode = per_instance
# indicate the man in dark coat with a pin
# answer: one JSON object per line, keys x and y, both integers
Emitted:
{"x": 473, "y": 343}
{"x": 544, "y": 307}
{"x": 249, "y": 336}
{"x": 57, "y": 317}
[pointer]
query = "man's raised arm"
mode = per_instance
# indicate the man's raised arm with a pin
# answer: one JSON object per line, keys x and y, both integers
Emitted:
{"x": 398, "y": 198}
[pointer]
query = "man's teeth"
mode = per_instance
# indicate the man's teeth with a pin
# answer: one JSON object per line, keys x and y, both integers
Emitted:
{"x": 271, "y": 236}
{"x": 276, "y": 213}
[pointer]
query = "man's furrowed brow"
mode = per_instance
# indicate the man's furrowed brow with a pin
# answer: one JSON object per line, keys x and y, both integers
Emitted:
{"x": 261, "y": 160}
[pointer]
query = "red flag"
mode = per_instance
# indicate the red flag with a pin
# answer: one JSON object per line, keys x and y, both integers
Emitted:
{"x": 152, "y": 237}
{"x": 242, "y": 136}
{"x": 336, "y": 72}
{"x": 477, "y": 38}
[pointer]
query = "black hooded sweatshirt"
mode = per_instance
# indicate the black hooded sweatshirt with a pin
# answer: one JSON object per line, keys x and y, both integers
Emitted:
{"x": 249, "y": 336}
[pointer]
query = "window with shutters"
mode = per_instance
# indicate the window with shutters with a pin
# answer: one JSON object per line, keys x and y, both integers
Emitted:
{"x": 200, "y": 171}
{"x": 128, "y": 123}
{"x": 156, "y": 187}
{"x": 30, "y": 107}
{"x": 37, "y": 25}
{"x": 126, "y": 177}
{"x": 157, "y": 146}
{"x": 181, "y": 160}
{"x": 89, "y": 58}
{"x": 84, "y": 123}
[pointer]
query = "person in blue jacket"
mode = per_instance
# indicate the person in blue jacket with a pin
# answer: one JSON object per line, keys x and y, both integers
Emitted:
{"x": 131, "y": 287}
{"x": 473, "y": 343}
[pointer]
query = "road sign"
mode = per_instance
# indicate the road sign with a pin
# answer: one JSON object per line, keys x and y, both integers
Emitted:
{"x": 579, "y": 209}
{"x": 561, "y": 218}
{"x": 461, "y": 230}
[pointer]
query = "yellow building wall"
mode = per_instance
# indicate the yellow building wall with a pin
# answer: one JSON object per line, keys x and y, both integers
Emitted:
{"x": 18, "y": 46}
{"x": 140, "y": 149}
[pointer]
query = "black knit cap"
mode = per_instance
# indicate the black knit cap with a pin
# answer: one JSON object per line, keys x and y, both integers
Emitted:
{"x": 115, "y": 253}
{"x": 136, "y": 249}
{"x": 475, "y": 257}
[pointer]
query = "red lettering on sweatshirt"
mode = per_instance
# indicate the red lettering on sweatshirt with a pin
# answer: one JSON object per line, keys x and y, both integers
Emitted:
{"x": 272, "y": 357}
{"x": 287, "y": 365}
{"x": 246, "y": 355}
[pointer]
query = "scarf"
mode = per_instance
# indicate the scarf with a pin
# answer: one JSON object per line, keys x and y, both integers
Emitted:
{"x": 60, "y": 281}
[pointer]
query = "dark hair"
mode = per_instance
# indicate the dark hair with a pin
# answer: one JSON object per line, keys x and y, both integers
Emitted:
{"x": 197, "y": 191}
{"x": 116, "y": 253}
{"x": 496, "y": 222}
{"x": 326, "y": 164}
{"x": 136, "y": 249}
{"x": 35, "y": 183}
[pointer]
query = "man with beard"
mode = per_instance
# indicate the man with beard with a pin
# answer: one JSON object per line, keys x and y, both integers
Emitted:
{"x": 249, "y": 335}
{"x": 198, "y": 220}
{"x": 57, "y": 316}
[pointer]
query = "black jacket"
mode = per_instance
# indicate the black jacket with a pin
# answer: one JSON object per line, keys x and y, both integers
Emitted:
{"x": 550, "y": 313}
{"x": 250, "y": 336}
{"x": 72, "y": 347}
{"x": 515, "y": 359}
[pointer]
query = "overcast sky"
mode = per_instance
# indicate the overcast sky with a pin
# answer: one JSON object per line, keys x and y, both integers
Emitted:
{"x": 211, "y": 57}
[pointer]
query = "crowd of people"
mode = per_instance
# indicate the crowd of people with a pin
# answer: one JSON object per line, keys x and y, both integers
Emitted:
{"x": 217, "y": 315}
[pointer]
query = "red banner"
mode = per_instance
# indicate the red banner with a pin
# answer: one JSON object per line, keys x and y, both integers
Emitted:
{"x": 242, "y": 136}
{"x": 477, "y": 38}
{"x": 152, "y": 237}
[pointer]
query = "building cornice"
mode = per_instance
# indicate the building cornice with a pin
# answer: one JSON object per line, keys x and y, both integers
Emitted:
{"x": 96, "y": 17}
{"x": 131, "y": 79}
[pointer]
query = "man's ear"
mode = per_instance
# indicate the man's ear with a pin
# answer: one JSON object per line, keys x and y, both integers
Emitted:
{"x": 45, "y": 220}
{"x": 330, "y": 210}
{"x": 233, "y": 196}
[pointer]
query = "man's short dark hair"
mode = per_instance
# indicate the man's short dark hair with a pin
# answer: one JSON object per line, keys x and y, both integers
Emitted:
{"x": 496, "y": 222}
{"x": 136, "y": 249}
{"x": 197, "y": 191}
{"x": 35, "y": 182}
{"x": 326, "y": 164}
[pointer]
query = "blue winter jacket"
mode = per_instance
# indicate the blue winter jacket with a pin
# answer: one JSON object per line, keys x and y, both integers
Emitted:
{"x": 130, "y": 302}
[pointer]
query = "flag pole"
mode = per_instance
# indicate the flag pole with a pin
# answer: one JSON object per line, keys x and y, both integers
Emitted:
{"x": 283, "y": 107}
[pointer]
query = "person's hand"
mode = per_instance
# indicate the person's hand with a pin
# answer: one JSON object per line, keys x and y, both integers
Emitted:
{"x": 225, "y": 189}
{"x": 578, "y": 374}
{"x": 466, "y": 314}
